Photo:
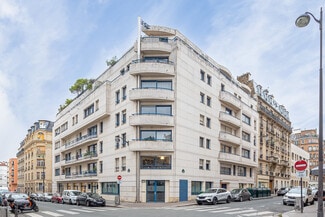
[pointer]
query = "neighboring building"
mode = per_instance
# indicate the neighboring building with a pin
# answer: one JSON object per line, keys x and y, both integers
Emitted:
{"x": 35, "y": 159}
{"x": 167, "y": 118}
{"x": 274, "y": 138}
{"x": 308, "y": 140}
{"x": 3, "y": 174}
{"x": 13, "y": 174}
{"x": 298, "y": 153}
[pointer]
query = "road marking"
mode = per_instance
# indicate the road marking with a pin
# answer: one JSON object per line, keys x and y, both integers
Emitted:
{"x": 82, "y": 210}
{"x": 52, "y": 213}
{"x": 242, "y": 211}
{"x": 258, "y": 213}
{"x": 209, "y": 209}
{"x": 100, "y": 210}
{"x": 225, "y": 210}
{"x": 68, "y": 212}
{"x": 33, "y": 215}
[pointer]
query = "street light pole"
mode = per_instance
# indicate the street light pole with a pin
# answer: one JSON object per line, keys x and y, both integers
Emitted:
{"x": 43, "y": 176}
{"x": 303, "y": 21}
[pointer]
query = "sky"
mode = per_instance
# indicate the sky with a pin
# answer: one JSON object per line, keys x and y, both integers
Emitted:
{"x": 45, "y": 46}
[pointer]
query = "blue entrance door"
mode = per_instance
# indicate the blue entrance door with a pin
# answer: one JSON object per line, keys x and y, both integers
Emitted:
{"x": 183, "y": 186}
{"x": 155, "y": 191}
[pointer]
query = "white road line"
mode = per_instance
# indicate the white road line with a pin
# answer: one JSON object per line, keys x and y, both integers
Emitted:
{"x": 81, "y": 210}
{"x": 98, "y": 210}
{"x": 242, "y": 211}
{"x": 52, "y": 213}
{"x": 225, "y": 210}
{"x": 209, "y": 209}
{"x": 33, "y": 215}
{"x": 68, "y": 212}
{"x": 258, "y": 213}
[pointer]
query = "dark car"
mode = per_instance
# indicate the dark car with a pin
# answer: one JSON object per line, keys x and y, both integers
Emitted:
{"x": 90, "y": 199}
{"x": 316, "y": 195}
{"x": 240, "y": 194}
{"x": 282, "y": 191}
{"x": 56, "y": 198}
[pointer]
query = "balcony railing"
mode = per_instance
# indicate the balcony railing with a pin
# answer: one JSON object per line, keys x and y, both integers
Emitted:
{"x": 79, "y": 140}
{"x": 86, "y": 173}
{"x": 86, "y": 155}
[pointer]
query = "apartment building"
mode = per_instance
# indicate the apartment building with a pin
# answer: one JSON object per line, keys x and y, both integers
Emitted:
{"x": 308, "y": 140}
{"x": 35, "y": 159}
{"x": 12, "y": 174}
{"x": 3, "y": 174}
{"x": 274, "y": 138}
{"x": 297, "y": 153}
{"x": 166, "y": 119}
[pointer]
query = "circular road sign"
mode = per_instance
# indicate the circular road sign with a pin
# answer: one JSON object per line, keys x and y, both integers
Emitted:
{"x": 119, "y": 177}
{"x": 301, "y": 165}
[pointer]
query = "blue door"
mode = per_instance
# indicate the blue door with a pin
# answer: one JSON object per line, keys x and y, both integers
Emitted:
{"x": 183, "y": 186}
{"x": 155, "y": 191}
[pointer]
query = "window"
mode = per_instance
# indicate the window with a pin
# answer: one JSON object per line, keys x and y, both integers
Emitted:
{"x": 117, "y": 119}
{"x": 97, "y": 104}
{"x": 101, "y": 147}
{"x": 124, "y": 93}
{"x": 246, "y": 119}
{"x": 153, "y": 84}
{"x": 228, "y": 111}
{"x": 208, "y": 185}
{"x": 57, "y": 158}
{"x": 155, "y": 162}
{"x": 89, "y": 110}
{"x": 225, "y": 149}
{"x": 202, "y": 120}
{"x": 100, "y": 166}
{"x": 202, "y": 73}
{"x": 117, "y": 97}
{"x": 201, "y": 163}
{"x": 124, "y": 140}
{"x": 64, "y": 127}
{"x": 208, "y": 101}
{"x": 225, "y": 170}
{"x": 202, "y": 97}
{"x": 209, "y": 80}
{"x": 222, "y": 87}
{"x": 246, "y": 136}
{"x": 101, "y": 127}
{"x": 123, "y": 116}
{"x": 201, "y": 142}
{"x": 163, "y": 135}
{"x": 156, "y": 109}
{"x": 57, "y": 173}
{"x": 196, "y": 187}
{"x": 123, "y": 163}
{"x": 92, "y": 131}
{"x": 110, "y": 188}
{"x": 207, "y": 165}
{"x": 117, "y": 142}
{"x": 245, "y": 153}
{"x": 241, "y": 171}
{"x": 117, "y": 164}
{"x": 208, "y": 143}
{"x": 208, "y": 122}
{"x": 57, "y": 131}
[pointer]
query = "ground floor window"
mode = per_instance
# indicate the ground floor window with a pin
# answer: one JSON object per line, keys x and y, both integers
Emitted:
{"x": 196, "y": 187}
{"x": 109, "y": 188}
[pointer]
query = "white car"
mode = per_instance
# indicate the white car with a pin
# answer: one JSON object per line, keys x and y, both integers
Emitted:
{"x": 70, "y": 196}
{"x": 214, "y": 195}
{"x": 290, "y": 196}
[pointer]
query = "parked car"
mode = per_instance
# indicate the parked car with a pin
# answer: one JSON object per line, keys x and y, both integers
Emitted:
{"x": 47, "y": 197}
{"x": 240, "y": 194}
{"x": 214, "y": 195}
{"x": 21, "y": 202}
{"x": 90, "y": 199}
{"x": 33, "y": 196}
{"x": 282, "y": 191}
{"x": 292, "y": 194}
{"x": 56, "y": 198}
{"x": 316, "y": 195}
{"x": 70, "y": 196}
{"x": 39, "y": 196}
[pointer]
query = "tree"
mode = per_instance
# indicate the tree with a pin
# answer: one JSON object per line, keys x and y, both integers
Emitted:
{"x": 67, "y": 102}
{"x": 81, "y": 85}
{"x": 112, "y": 61}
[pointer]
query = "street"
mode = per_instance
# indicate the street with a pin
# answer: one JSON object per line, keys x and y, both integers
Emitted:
{"x": 262, "y": 207}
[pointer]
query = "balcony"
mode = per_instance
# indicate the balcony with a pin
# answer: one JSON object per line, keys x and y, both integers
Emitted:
{"x": 236, "y": 159}
{"x": 155, "y": 45}
{"x": 229, "y": 99}
{"x": 227, "y": 137}
{"x": 151, "y": 120}
{"x": 88, "y": 156}
{"x": 83, "y": 174}
{"x": 81, "y": 140}
{"x": 151, "y": 145}
{"x": 152, "y": 68}
{"x": 223, "y": 116}
{"x": 272, "y": 159}
{"x": 152, "y": 94}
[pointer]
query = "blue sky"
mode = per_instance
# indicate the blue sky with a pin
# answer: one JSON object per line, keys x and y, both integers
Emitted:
{"x": 45, "y": 46}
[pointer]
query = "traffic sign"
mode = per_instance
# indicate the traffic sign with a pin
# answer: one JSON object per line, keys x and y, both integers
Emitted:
{"x": 301, "y": 165}
{"x": 301, "y": 174}
{"x": 119, "y": 177}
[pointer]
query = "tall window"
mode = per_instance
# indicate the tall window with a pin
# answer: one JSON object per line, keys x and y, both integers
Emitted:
{"x": 208, "y": 143}
{"x": 246, "y": 136}
{"x": 245, "y": 153}
{"x": 117, "y": 164}
{"x": 117, "y": 119}
{"x": 117, "y": 97}
{"x": 202, "y": 97}
{"x": 209, "y": 80}
{"x": 246, "y": 119}
{"x": 124, "y": 140}
{"x": 124, "y": 93}
{"x": 202, "y": 73}
{"x": 241, "y": 171}
{"x": 196, "y": 187}
{"x": 202, "y": 120}
{"x": 123, "y": 163}
{"x": 207, "y": 165}
{"x": 201, "y": 142}
{"x": 208, "y": 101}
{"x": 201, "y": 163}
{"x": 89, "y": 110}
{"x": 123, "y": 116}
{"x": 208, "y": 122}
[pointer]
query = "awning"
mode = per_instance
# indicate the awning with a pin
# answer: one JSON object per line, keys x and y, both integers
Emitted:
{"x": 315, "y": 171}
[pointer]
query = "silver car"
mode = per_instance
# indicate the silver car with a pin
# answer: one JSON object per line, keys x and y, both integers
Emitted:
{"x": 214, "y": 195}
{"x": 295, "y": 193}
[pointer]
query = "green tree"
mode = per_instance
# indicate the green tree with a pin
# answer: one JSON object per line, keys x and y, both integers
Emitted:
{"x": 112, "y": 61}
{"x": 67, "y": 102}
{"x": 81, "y": 85}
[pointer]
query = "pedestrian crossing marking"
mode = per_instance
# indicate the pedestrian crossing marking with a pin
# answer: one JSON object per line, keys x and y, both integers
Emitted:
{"x": 259, "y": 213}
{"x": 33, "y": 215}
{"x": 242, "y": 211}
{"x": 52, "y": 213}
{"x": 225, "y": 210}
{"x": 81, "y": 210}
{"x": 100, "y": 210}
{"x": 68, "y": 212}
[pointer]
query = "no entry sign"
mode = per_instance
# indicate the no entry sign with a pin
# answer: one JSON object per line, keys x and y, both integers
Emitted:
{"x": 301, "y": 165}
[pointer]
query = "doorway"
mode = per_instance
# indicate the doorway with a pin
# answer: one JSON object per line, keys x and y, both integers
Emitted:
{"x": 155, "y": 191}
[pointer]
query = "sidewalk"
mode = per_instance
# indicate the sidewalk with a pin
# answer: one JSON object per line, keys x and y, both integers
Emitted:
{"x": 308, "y": 211}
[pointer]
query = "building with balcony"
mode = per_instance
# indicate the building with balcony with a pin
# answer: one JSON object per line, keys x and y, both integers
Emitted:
{"x": 12, "y": 174}
{"x": 297, "y": 153}
{"x": 274, "y": 138}
{"x": 3, "y": 174}
{"x": 34, "y": 158}
{"x": 166, "y": 118}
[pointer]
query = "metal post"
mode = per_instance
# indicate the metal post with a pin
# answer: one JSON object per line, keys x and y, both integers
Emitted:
{"x": 301, "y": 199}
{"x": 43, "y": 176}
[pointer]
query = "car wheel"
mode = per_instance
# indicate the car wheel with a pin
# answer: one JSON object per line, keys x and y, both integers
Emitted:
{"x": 199, "y": 203}
{"x": 228, "y": 199}
{"x": 312, "y": 202}
{"x": 78, "y": 203}
{"x": 214, "y": 201}
{"x": 70, "y": 202}
{"x": 284, "y": 203}
{"x": 88, "y": 203}
{"x": 241, "y": 199}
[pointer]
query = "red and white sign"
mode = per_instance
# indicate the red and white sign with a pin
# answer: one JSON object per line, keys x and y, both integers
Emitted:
{"x": 301, "y": 165}
{"x": 119, "y": 177}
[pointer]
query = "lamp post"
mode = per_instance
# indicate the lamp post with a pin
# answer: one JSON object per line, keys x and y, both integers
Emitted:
{"x": 303, "y": 21}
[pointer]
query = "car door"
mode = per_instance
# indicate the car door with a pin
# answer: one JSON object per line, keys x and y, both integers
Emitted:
{"x": 83, "y": 198}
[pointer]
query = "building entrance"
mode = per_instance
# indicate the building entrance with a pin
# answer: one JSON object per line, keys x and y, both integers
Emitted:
{"x": 155, "y": 191}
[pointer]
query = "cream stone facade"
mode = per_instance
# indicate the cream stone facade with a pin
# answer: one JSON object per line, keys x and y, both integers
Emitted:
{"x": 166, "y": 118}
{"x": 35, "y": 159}
{"x": 297, "y": 153}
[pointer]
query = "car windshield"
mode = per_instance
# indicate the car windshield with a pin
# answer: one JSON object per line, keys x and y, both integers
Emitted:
{"x": 19, "y": 196}
{"x": 75, "y": 193}
{"x": 235, "y": 191}
{"x": 297, "y": 190}
{"x": 94, "y": 195}
{"x": 210, "y": 190}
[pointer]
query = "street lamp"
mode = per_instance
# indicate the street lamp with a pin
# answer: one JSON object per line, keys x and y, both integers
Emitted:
{"x": 303, "y": 21}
